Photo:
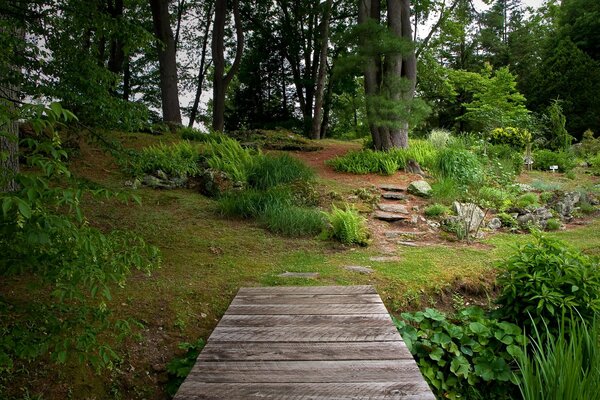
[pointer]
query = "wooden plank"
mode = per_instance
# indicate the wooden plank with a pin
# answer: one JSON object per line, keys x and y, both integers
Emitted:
{"x": 299, "y": 309}
{"x": 366, "y": 320}
{"x": 310, "y": 351}
{"x": 359, "y": 289}
{"x": 307, "y": 299}
{"x": 305, "y": 391}
{"x": 306, "y": 333}
{"x": 305, "y": 371}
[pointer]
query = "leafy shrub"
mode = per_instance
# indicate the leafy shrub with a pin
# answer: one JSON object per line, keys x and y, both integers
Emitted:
{"x": 44, "y": 236}
{"x": 547, "y": 279}
{"x": 517, "y": 138}
{"x": 552, "y": 224}
{"x": 179, "y": 159}
{"x": 543, "y": 159}
{"x": 570, "y": 175}
{"x": 468, "y": 357}
{"x": 498, "y": 198}
{"x": 527, "y": 200}
{"x": 510, "y": 159}
{"x": 439, "y": 138}
{"x": 348, "y": 226}
{"x": 545, "y": 197}
{"x": 562, "y": 366}
{"x": 459, "y": 164}
{"x": 293, "y": 221}
{"x": 229, "y": 156}
{"x": 358, "y": 162}
{"x": 253, "y": 203}
{"x": 545, "y": 185}
{"x": 590, "y": 146}
{"x": 268, "y": 171}
{"x": 436, "y": 210}
{"x": 446, "y": 190}
{"x": 388, "y": 166}
{"x": 193, "y": 134}
{"x": 595, "y": 163}
{"x": 179, "y": 367}
{"x": 508, "y": 220}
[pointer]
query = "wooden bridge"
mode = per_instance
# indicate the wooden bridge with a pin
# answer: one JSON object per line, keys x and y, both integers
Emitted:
{"x": 328, "y": 342}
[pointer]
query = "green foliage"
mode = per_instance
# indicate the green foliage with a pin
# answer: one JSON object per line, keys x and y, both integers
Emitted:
{"x": 595, "y": 164}
{"x": 543, "y": 159}
{"x": 511, "y": 160}
{"x": 446, "y": 190}
{"x": 384, "y": 162}
{"x": 496, "y": 101}
{"x": 439, "y": 138}
{"x": 179, "y": 159}
{"x": 193, "y": 134}
{"x": 348, "y": 226}
{"x": 436, "y": 210}
{"x": 590, "y": 146}
{"x": 514, "y": 137}
{"x": 179, "y": 367}
{"x": 546, "y": 280}
{"x": 293, "y": 221}
{"x": 227, "y": 155}
{"x": 500, "y": 199}
{"x": 553, "y": 224}
{"x": 467, "y": 357}
{"x": 267, "y": 171}
{"x": 556, "y": 133}
{"x": 527, "y": 200}
{"x": 459, "y": 164}
{"x": 563, "y": 365}
{"x": 508, "y": 220}
{"x": 45, "y": 236}
{"x": 252, "y": 203}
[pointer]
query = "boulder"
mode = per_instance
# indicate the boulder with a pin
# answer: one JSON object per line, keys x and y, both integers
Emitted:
{"x": 538, "y": 217}
{"x": 495, "y": 223}
{"x": 419, "y": 188}
{"x": 469, "y": 214}
{"x": 565, "y": 203}
{"x": 212, "y": 182}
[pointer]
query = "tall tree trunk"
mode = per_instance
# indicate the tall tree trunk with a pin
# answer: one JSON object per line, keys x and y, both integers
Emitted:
{"x": 126, "y": 79}
{"x": 327, "y": 102}
{"x": 203, "y": 67}
{"x": 117, "y": 54}
{"x": 322, "y": 74}
{"x": 221, "y": 82}
{"x": 169, "y": 91}
{"x": 409, "y": 71}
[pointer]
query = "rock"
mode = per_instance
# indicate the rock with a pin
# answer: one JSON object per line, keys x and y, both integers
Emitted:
{"x": 414, "y": 219}
{"x": 409, "y": 244}
{"x": 352, "y": 198}
{"x": 391, "y": 188}
{"x": 433, "y": 224}
{"x": 388, "y": 216}
{"x": 212, "y": 182}
{"x": 393, "y": 196}
{"x": 307, "y": 275}
{"x": 420, "y": 188}
{"x": 359, "y": 269}
{"x": 537, "y": 217}
{"x": 393, "y": 208}
{"x": 415, "y": 208}
{"x": 566, "y": 203}
{"x": 134, "y": 184}
{"x": 469, "y": 214}
{"x": 523, "y": 187}
{"x": 161, "y": 175}
{"x": 495, "y": 223}
{"x": 384, "y": 258}
{"x": 407, "y": 234}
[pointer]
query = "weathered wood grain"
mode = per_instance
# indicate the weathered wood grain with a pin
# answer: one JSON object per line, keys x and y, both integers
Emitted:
{"x": 359, "y": 289}
{"x": 305, "y": 371}
{"x": 279, "y": 351}
{"x": 305, "y": 333}
{"x": 317, "y": 309}
{"x": 305, "y": 343}
{"x": 307, "y": 391}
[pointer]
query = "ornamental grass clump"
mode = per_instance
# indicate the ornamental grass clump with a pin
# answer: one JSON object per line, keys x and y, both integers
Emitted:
{"x": 348, "y": 226}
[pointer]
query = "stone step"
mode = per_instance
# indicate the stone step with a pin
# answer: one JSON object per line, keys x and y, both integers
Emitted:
{"x": 393, "y": 208}
{"x": 390, "y": 187}
{"x": 307, "y": 275}
{"x": 389, "y": 216}
{"x": 384, "y": 258}
{"x": 409, "y": 244}
{"x": 394, "y": 196}
{"x": 360, "y": 269}
{"x": 396, "y": 234}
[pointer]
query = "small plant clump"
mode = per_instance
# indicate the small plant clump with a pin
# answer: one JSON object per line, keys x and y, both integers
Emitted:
{"x": 436, "y": 210}
{"x": 527, "y": 200}
{"x": 348, "y": 226}
{"x": 178, "y": 159}
{"x": 552, "y": 224}
{"x": 293, "y": 220}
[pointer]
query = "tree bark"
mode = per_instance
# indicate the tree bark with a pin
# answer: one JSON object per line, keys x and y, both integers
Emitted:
{"x": 169, "y": 90}
{"x": 322, "y": 74}
{"x": 203, "y": 67}
{"x": 221, "y": 82}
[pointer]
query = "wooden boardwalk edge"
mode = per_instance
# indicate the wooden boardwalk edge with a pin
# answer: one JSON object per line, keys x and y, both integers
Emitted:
{"x": 324, "y": 342}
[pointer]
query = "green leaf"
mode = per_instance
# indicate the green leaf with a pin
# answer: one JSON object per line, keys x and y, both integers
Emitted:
{"x": 460, "y": 366}
{"x": 436, "y": 354}
{"x": 24, "y": 208}
{"x": 479, "y": 329}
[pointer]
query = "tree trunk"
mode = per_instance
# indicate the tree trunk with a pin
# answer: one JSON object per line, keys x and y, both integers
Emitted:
{"x": 167, "y": 61}
{"x": 221, "y": 82}
{"x": 322, "y": 74}
{"x": 203, "y": 67}
{"x": 117, "y": 54}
